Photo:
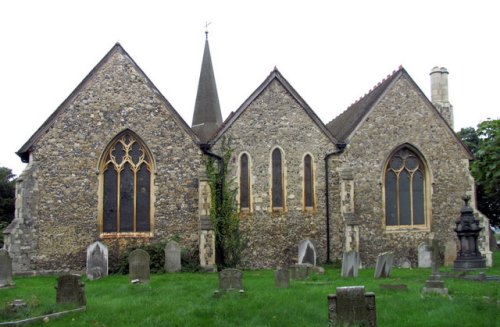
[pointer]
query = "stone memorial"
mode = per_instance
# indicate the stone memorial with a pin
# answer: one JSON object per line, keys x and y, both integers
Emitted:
{"x": 281, "y": 278}
{"x": 350, "y": 264}
{"x": 97, "y": 261}
{"x": 450, "y": 253}
{"x": 138, "y": 261}
{"x": 69, "y": 290}
{"x": 405, "y": 263}
{"x": 434, "y": 284}
{"x": 5, "y": 269}
{"x": 307, "y": 253}
{"x": 231, "y": 280}
{"x": 172, "y": 257}
{"x": 299, "y": 271}
{"x": 424, "y": 256}
{"x": 384, "y": 265}
{"x": 351, "y": 306}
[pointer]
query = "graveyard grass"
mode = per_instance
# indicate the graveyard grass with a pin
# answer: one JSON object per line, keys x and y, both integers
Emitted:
{"x": 185, "y": 299}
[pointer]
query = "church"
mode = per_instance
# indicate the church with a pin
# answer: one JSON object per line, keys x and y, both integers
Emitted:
{"x": 116, "y": 163}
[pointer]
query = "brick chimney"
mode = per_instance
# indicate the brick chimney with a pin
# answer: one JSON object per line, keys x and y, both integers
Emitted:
{"x": 439, "y": 93}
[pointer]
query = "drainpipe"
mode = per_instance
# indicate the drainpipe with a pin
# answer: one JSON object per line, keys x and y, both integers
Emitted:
{"x": 205, "y": 147}
{"x": 341, "y": 147}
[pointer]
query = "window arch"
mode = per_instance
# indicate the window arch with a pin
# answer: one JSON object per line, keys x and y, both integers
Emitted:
{"x": 126, "y": 179}
{"x": 277, "y": 180}
{"x": 308, "y": 181}
{"x": 405, "y": 189}
{"x": 244, "y": 196}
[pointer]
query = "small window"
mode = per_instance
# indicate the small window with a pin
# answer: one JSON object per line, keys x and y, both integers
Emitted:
{"x": 244, "y": 182}
{"x": 308, "y": 182}
{"x": 405, "y": 189}
{"x": 277, "y": 179}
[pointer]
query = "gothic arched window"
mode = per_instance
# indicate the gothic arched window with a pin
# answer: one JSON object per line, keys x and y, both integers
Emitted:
{"x": 405, "y": 189}
{"x": 126, "y": 189}
{"x": 308, "y": 182}
{"x": 244, "y": 182}
{"x": 277, "y": 179}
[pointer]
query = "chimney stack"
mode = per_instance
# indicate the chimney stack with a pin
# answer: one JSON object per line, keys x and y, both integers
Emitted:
{"x": 439, "y": 93}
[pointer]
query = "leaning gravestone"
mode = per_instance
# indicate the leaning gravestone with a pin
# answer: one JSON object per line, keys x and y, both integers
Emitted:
{"x": 70, "y": 290}
{"x": 97, "y": 261}
{"x": 138, "y": 261}
{"x": 424, "y": 256}
{"x": 172, "y": 257}
{"x": 307, "y": 253}
{"x": 384, "y": 265}
{"x": 281, "y": 278}
{"x": 350, "y": 306}
{"x": 350, "y": 264}
{"x": 5, "y": 269}
{"x": 231, "y": 280}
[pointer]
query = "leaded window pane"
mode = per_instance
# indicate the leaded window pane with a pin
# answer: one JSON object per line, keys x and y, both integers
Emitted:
{"x": 143, "y": 199}
{"x": 126, "y": 199}
{"x": 391, "y": 199}
{"x": 110, "y": 214}
{"x": 277, "y": 176}
{"x": 244, "y": 182}
{"x": 308, "y": 181}
{"x": 418, "y": 198}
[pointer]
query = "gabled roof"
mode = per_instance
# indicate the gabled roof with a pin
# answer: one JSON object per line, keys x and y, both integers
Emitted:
{"x": 274, "y": 75}
{"x": 24, "y": 151}
{"x": 345, "y": 124}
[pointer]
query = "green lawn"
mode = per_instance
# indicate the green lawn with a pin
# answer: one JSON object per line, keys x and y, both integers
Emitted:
{"x": 185, "y": 299}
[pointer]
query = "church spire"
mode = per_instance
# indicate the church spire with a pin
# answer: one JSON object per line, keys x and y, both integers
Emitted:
{"x": 207, "y": 116}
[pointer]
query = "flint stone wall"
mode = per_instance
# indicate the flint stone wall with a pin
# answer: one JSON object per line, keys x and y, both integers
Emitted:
{"x": 58, "y": 216}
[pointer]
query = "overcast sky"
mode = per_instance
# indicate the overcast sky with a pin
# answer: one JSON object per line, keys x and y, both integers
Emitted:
{"x": 332, "y": 52}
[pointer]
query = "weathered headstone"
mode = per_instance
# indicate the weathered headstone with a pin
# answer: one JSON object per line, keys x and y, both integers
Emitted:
{"x": 97, "y": 261}
{"x": 434, "y": 284}
{"x": 351, "y": 306}
{"x": 70, "y": 290}
{"x": 450, "y": 253}
{"x": 230, "y": 280}
{"x": 172, "y": 257}
{"x": 384, "y": 265}
{"x": 405, "y": 263}
{"x": 299, "y": 272}
{"x": 307, "y": 253}
{"x": 424, "y": 256}
{"x": 138, "y": 261}
{"x": 281, "y": 278}
{"x": 350, "y": 264}
{"x": 5, "y": 269}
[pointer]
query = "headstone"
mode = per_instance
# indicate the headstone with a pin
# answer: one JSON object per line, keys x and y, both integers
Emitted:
{"x": 384, "y": 265}
{"x": 97, "y": 261}
{"x": 172, "y": 257}
{"x": 231, "y": 280}
{"x": 307, "y": 253}
{"x": 350, "y": 306}
{"x": 350, "y": 264}
{"x": 281, "y": 278}
{"x": 299, "y": 272}
{"x": 138, "y": 261}
{"x": 70, "y": 290}
{"x": 424, "y": 256}
{"x": 434, "y": 284}
{"x": 406, "y": 263}
{"x": 5, "y": 269}
{"x": 450, "y": 253}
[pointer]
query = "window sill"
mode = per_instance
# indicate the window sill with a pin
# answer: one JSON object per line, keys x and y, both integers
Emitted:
{"x": 126, "y": 235}
{"x": 406, "y": 229}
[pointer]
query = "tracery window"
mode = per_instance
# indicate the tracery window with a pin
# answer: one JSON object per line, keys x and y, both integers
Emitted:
{"x": 126, "y": 177}
{"x": 244, "y": 182}
{"x": 277, "y": 179}
{"x": 405, "y": 189}
{"x": 308, "y": 182}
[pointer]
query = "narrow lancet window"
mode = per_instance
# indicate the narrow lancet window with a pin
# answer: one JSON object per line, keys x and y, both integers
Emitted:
{"x": 308, "y": 182}
{"x": 277, "y": 179}
{"x": 244, "y": 182}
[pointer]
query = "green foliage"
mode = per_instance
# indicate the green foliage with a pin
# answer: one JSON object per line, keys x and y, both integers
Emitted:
{"x": 7, "y": 199}
{"x": 469, "y": 138}
{"x": 224, "y": 215}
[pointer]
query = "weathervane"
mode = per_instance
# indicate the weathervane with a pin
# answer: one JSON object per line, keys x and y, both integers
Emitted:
{"x": 206, "y": 29}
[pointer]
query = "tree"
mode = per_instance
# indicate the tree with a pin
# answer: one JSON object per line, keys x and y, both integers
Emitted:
{"x": 7, "y": 198}
{"x": 484, "y": 143}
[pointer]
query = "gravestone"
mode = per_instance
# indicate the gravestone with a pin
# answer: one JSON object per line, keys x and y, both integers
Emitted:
{"x": 450, "y": 253}
{"x": 351, "y": 306}
{"x": 384, "y": 265}
{"x": 172, "y": 257}
{"x": 138, "y": 263}
{"x": 97, "y": 261}
{"x": 434, "y": 284}
{"x": 307, "y": 253}
{"x": 350, "y": 264}
{"x": 231, "y": 280}
{"x": 299, "y": 272}
{"x": 405, "y": 263}
{"x": 69, "y": 290}
{"x": 5, "y": 269}
{"x": 424, "y": 256}
{"x": 281, "y": 278}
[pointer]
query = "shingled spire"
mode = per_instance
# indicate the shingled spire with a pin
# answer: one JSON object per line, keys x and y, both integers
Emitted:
{"x": 207, "y": 116}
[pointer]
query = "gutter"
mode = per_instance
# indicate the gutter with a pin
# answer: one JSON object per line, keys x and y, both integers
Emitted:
{"x": 341, "y": 147}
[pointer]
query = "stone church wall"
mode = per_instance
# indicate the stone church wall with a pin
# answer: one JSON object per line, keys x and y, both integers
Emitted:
{"x": 403, "y": 115}
{"x": 275, "y": 119}
{"x": 64, "y": 216}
